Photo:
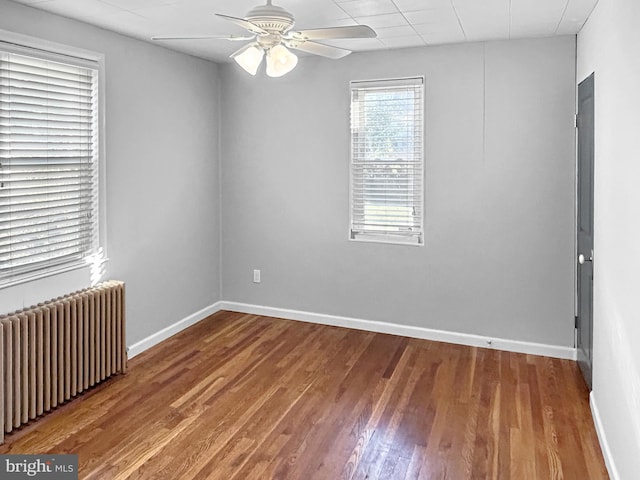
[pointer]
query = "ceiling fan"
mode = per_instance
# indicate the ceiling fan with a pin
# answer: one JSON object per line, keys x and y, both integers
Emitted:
{"x": 272, "y": 33}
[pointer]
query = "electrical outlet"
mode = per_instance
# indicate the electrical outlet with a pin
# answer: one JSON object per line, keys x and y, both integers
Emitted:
{"x": 256, "y": 276}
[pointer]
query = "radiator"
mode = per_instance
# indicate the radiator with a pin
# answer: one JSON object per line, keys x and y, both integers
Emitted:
{"x": 55, "y": 350}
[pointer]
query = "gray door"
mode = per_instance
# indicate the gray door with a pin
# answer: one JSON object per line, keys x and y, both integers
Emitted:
{"x": 584, "y": 318}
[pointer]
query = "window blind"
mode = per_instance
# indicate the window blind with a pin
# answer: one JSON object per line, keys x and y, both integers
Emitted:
{"x": 48, "y": 165}
{"x": 387, "y": 160}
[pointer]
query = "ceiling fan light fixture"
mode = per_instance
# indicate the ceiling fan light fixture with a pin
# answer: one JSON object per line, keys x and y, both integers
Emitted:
{"x": 249, "y": 58}
{"x": 271, "y": 29}
{"x": 280, "y": 61}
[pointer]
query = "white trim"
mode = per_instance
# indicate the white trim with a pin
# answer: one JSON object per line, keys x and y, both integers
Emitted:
{"x": 399, "y": 237}
{"x": 412, "y": 241}
{"x": 387, "y": 82}
{"x": 602, "y": 437}
{"x": 45, "y": 49}
{"x": 19, "y": 40}
{"x": 358, "y": 324}
{"x": 406, "y": 330}
{"x": 146, "y": 343}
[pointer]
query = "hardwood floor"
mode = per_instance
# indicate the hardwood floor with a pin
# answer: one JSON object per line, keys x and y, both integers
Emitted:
{"x": 246, "y": 397}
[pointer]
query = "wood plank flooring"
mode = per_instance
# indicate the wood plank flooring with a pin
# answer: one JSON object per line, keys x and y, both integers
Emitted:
{"x": 247, "y": 397}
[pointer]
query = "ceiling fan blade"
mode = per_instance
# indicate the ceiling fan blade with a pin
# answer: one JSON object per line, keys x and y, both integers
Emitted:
{"x": 202, "y": 37}
{"x": 356, "y": 31}
{"x": 319, "y": 49}
{"x": 252, "y": 27}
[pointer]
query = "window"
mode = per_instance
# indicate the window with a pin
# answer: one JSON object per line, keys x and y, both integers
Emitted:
{"x": 387, "y": 160}
{"x": 49, "y": 151}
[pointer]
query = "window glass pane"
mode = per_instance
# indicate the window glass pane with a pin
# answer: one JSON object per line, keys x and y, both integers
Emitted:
{"x": 387, "y": 160}
{"x": 48, "y": 165}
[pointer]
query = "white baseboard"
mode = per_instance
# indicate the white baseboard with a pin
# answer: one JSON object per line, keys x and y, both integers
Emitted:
{"x": 358, "y": 324}
{"x": 405, "y": 330}
{"x": 602, "y": 437}
{"x": 146, "y": 343}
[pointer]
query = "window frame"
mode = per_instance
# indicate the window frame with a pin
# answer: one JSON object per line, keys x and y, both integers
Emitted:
{"x": 12, "y": 42}
{"x": 371, "y": 237}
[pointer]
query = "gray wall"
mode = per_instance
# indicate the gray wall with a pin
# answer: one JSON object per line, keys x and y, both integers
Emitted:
{"x": 162, "y": 175}
{"x": 498, "y": 259}
{"x": 608, "y": 45}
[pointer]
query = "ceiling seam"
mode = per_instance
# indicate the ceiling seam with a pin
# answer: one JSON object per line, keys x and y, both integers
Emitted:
{"x": 459, "y": 21}
{"x": 357, "y": 22}
{"x": 588, "y": 16}
{"x": 408, "y": 22}
{"x": 564, "y": 12}
{"x": 345, "y": 12}
{"x": 510, "y": 17}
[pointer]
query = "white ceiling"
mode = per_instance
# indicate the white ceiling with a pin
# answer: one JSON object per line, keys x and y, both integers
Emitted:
{"x": 399, "y": 23}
